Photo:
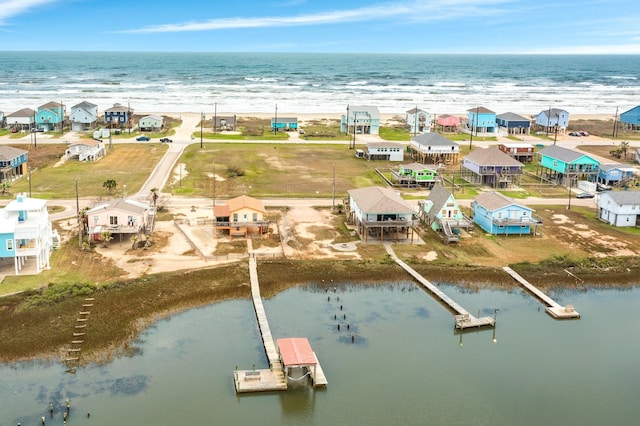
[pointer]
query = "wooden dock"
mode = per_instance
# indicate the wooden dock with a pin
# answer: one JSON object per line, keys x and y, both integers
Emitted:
{"x": 317, "y": 375}
{"x": 463, "y": 319}
{"x": 552, "y": 307}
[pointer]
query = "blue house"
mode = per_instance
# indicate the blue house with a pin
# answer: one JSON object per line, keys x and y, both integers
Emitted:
{"x": 490, "y": 166}
{"x": 361, "y": 120}
{"x": 564, "y": 165}
{"x": 284, "y": 123}
{"x": 118, "y": 116}
{"x": 481, "y": 120}
{"x": 500, "y": 215}
{"x": 631, "y": 119}
{"x": 13, "y": 163}
{"x": 553, "y": 120}
{"x": 442, "y": 213}
{"x": 50, "y": 116}
{"x": 513, "y": 123}
{"x": 615, "y": 174}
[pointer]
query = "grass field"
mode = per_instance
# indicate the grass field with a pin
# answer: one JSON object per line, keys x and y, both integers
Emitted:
{"x": 127, "y": 164}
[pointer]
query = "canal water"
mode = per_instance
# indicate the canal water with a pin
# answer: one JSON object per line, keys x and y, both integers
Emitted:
{"x": 405, "y": 366}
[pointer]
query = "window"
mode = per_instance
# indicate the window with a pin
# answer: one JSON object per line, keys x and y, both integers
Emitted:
{"x": 235, "y": 217}
{"x": 255, "y": 217}
{"x": 9, "y": 245}
{"x": 113, "y": 220}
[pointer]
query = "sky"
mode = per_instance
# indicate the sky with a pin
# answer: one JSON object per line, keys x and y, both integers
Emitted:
{"x": 374, "y": 26}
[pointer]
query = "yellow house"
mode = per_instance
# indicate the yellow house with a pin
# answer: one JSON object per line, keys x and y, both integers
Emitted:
{"x": 241, "y": 216}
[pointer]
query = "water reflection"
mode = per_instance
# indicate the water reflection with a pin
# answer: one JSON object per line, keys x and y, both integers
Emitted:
{"x": 406, "y": 365}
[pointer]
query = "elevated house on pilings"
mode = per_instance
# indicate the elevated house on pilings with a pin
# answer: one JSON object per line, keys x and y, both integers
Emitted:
{"x": 433, "y": 148}
{"x": 500, "y": 215}
{"x": 380, "y": 213}
{"x": 415, "y": 174}
{"x": 441, "y": 212}
{"x": 564, "y": 166}
{"x": 241, "y": 216}
{"x": 491, "y": 167}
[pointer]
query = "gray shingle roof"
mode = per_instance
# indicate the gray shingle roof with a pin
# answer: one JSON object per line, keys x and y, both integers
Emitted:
{"x": 494, "y": 200}
{"x": 624, "y": 197}
{"x": 491, "y": 157}
{"x": 512, "y": 116}
{"x": 8, "y": 153}
{"x": 433, "y": 139}
{"x": 563, "y": 154}
{"x": 375, "y": 199}
{"x": 438, "y": 196}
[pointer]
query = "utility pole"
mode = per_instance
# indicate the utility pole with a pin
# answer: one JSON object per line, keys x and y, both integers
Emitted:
{"x": 215, "y": 116}
{"x": 275, "y": 121}
{"x": 201, "y": 126}
{"x": 548, "y": 120}
{"x": 333, "y": 201}
{"x": 615, "y": 125}
{"x": 80, "y": 224}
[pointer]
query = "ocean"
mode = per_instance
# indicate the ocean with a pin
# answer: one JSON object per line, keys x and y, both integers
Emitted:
{"x": 320, "y": 83}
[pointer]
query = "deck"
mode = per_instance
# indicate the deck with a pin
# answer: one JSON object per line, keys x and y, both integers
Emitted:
{"x": 463, "y": 319}
{"x": 553, "y": 308}
{"x": 319, "y": 379}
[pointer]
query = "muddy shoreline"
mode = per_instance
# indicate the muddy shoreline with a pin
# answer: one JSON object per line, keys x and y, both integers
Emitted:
{"x": 124, "y": 309}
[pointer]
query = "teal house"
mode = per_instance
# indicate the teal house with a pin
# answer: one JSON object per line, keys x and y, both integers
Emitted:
{"x": 481, "y": 120}
{"x": 50, "y": 116}
{"x": 284, "y": 123}
{"x": 441, "y": 212}
{"x": 564, "y": 165}
{"x": 416, "y": 174}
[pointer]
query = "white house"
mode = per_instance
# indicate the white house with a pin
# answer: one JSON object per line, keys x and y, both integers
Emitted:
{"x": 434, "y": 148}
{"x": 26, "y": 232}
{"x": 361, "y": 119}
{"x": 151, "y": 123}
{"x": 120, "y": 216}
{"x": 619, "y": 208}
{"x": 86, "y": 150}
{"x": 418, "y": 121}
{"x": 385, "y": 151}
{"x": 553, "y": 119}
{"x": 83, "y": 116}
{"x": 22, "y": 119}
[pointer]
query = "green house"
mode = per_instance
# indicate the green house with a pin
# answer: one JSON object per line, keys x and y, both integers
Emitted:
{"x": 417, "y": 174}
{"x": 441, "y": 212}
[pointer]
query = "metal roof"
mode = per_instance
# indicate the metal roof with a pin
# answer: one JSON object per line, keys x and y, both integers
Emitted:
{"x": 491, "y": 157}
{"x": 296, "y": 351}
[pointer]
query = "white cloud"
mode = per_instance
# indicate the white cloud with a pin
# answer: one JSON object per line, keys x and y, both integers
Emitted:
{"x": 438, "y": 9}
{"x": 11, "y": 8}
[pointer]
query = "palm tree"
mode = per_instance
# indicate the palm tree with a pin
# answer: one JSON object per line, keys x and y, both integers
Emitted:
{"x": 110, "y": 185}
{"x": 105, "y": 237}
{"x": 624, "y": 146}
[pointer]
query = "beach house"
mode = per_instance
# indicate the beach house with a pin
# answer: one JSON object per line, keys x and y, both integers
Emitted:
{"x": 50, "y": 116}
{"x": 418, "y": 121}
{"x": 513, "y": 124}
{"x": 434, "y": 148}
{"x": 630, "y": 119}
{"x": 83, "y": 116}
{"x": 86, "y": 150}
{"x": 441, "y": 212}
{"x": 361, "y": 120}
{"x": 565, "y": 166}
{"x": 615, "y": 174}
{"x": 284, "y": 123}
{"x": 620, "y": 208}
{"x": 448, "y": 123}
{"x": 523, "y": 152}
{"x": 500, "y": 215}
{"x": 415, "y": 174}
{"x": 26, "y": 233}
{"x": 380, "y": 213}
{"x": 490, "y": 166}
{"x": 122, "y": 216}
{"x": 481, "y": 120}
{"x": 23, "y": 119}
{"x": 242, "y": 216}
{"x": 13, "y": 163}
{"x": 118, "y": 116}
{"x": 151, "y": 123}
{"x": 224, "y": 122}
{"x": 552, "y": 120}
{"x": 388, "y": 151}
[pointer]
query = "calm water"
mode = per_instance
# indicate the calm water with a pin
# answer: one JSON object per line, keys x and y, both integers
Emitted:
{"x": 406, "y": 367}
{"x": 312, "y": 83}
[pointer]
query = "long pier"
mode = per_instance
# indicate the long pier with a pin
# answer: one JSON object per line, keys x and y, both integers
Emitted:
{"x": 553, "y": 308}
{"x": 463, "y": 319}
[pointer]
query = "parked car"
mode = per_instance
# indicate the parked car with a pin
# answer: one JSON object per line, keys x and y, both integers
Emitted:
{"x": 14, "y": 130}
{"x": 584, "y": 133}
{"x": 600, "y": 187}
{"x": 301, "y": 131}
{"x": 585, "y": 195}
{"x": 166, "y": 140}
{"x": 142, "y": 138}
{"x": 574, "y": 134}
